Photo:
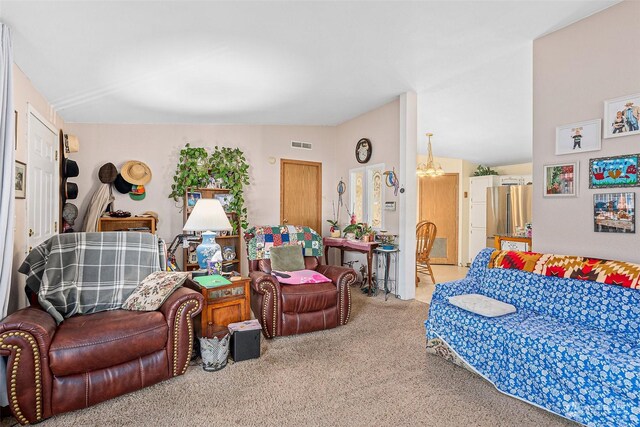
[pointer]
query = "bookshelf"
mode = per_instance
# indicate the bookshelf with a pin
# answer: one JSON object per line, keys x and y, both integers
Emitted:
{"x": 232, "y": 239}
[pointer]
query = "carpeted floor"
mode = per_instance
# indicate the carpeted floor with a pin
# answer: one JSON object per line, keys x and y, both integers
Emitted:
{"x": 372, "y": 372}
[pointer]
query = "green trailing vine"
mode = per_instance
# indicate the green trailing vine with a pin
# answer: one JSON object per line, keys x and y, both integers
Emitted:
{"x": 191, "y": 171}
{"x": 230, "y": 166}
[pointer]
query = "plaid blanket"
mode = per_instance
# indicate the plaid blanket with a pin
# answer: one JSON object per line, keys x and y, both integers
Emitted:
{"x": 79, "y": 273}
{"x": 261, "y": 239}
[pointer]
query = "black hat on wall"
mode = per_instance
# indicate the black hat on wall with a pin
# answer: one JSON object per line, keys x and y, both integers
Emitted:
{"x": 121, "y": 185}
{"x": 69, "y": 190}
{"x": 70, "y": 168}
{"x": 108, "y": 173}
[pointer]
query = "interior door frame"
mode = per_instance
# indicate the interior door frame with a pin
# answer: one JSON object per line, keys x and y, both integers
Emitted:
{"x": 33, "y": 113}
{"x": 457, "y": 198}
{"x": 283, "y": 162}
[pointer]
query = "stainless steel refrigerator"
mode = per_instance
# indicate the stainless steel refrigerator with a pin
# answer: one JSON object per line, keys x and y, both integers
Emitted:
{"x": 508, "y": 210}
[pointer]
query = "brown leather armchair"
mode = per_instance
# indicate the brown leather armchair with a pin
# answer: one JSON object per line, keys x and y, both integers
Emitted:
{"x": 93, "y": 357}
{"x": 296, "y": 309}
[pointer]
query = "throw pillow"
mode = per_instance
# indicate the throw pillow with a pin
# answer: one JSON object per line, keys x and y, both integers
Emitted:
{"x": 287, "y": 258}
{"x": 482, "y": 305}
{"x": 154, "y": 290}
{"x": 300, "y": 277}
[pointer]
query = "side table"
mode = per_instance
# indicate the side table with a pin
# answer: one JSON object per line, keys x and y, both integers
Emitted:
{"x": 223, "y": 304}
{"x": 383, "y": 257}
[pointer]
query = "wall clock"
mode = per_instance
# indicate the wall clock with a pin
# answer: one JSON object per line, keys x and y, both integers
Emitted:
{"x": 363, "y": 150}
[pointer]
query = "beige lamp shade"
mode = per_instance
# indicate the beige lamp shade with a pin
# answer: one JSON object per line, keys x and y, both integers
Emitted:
{"x": 207, "y": 215}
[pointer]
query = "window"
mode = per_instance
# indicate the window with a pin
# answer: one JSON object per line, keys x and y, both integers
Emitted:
{"x": 366, "y": 190}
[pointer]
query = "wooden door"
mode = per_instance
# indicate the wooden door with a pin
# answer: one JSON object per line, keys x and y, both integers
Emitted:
{"x": 439, "y": 204}
{"x": 42, "y": 180}
{"x": 301, "y": 193}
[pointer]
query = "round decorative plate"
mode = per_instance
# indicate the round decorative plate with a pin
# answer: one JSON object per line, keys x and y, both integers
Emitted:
{"x": 229, "y": 253}
{"x": 363, "y": 150}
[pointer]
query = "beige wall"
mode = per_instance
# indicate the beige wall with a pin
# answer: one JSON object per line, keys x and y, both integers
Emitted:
{"x": 158, "y": 146}
{"x": 574, "y": 70}
{"x": 24, "y": 94}
{"x": 518, "y": 169}
{"x": 382, "y": 127}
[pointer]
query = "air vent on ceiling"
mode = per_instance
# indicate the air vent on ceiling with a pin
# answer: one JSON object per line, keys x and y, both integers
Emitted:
{"x": 301, "y": 145}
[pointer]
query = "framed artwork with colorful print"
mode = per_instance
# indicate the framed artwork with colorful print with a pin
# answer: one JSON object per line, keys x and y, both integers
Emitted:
{"x": 612, "y": 172}
{"x": 561, "y": 180}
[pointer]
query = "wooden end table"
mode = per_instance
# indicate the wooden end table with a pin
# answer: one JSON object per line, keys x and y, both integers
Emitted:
{"x": 222, "y": 304}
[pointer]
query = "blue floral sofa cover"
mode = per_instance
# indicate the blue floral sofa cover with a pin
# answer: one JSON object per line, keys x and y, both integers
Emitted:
{"x": 572, "y": 347}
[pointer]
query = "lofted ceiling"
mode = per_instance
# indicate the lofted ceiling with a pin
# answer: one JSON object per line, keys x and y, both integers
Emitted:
{"x": 295, "y": 62}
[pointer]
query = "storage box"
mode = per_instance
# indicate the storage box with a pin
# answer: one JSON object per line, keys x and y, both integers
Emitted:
{"x": 245, "y": 345}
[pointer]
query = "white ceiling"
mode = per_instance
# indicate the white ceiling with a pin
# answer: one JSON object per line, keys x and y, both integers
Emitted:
{"x": 312, "y": 63}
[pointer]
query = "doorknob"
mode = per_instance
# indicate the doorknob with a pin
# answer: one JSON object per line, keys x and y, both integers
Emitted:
{"x": 284, "y": 221}
{"x": 30, "y": 232}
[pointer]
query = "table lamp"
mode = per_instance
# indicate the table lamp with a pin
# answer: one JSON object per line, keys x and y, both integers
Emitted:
{"x": 209, "y": 217}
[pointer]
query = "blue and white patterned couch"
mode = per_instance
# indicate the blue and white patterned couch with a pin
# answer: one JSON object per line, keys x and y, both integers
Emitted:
{"x": 572, "y": 347}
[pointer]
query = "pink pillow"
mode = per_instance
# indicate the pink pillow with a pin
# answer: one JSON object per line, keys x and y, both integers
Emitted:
{"x": 301, "y": 277}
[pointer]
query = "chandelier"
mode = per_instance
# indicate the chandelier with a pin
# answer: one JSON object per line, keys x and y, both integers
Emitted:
{"x": 430, "y": 168}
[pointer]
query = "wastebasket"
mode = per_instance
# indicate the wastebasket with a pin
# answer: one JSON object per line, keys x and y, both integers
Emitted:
{"x": 214, "y": 348}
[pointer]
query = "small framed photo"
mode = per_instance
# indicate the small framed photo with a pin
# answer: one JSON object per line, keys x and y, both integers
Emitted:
{"x": 21, "y": 180}
{"x": 192, "y": 198}
{"x": 579, "y": 137}
{"x": 614, "y": 213}
{"x": 622, "y": 116}
{"x": 561, "y": 180}
{"x": 611, "y": 172}
{"x": 225, "y": 200}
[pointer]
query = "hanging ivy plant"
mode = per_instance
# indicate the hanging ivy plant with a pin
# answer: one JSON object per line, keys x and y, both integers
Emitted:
{"x": 191, "y": 171}
{"x": 230, "y": 166}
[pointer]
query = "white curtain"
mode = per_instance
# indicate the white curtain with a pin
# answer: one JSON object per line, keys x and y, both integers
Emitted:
{"x": 7, "y": 175}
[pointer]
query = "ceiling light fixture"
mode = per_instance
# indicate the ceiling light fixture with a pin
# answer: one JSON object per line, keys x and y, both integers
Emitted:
{"x": 430, "y": 168}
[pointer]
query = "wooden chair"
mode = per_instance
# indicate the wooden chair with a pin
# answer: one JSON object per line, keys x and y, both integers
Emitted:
{"x": 425, "y": 236}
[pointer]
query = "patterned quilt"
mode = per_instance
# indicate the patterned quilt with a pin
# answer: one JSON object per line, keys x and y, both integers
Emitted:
{"x": 572, "y": 347}
{"x": 570, "y": 267}
{"x": 79, "y": 273}
{"x": 260, "y": 239}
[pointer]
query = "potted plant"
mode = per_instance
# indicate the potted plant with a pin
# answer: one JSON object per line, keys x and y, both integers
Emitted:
{"x": 353, "y": 231}
{"x": 335, "y": 228}
{"x": 366, "y": 233}
{"x": 230, "y": 167}
{"x": 191, "y": 171}
{"x": 484, "y": 170}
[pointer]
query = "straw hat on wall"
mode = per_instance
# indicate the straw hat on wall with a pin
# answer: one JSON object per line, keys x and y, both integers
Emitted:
{"x": 136, "y": 172}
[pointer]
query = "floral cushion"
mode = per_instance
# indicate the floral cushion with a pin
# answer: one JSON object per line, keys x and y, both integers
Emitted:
{"x": 153, "y": 291}
{"x": 300, "y": 277}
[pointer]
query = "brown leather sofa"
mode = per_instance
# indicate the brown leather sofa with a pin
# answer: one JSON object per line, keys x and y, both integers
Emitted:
{"x": 296, "y": 309}
{"x": 94, "y": 357}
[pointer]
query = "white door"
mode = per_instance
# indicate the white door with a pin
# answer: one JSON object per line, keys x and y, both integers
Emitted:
{"x": 42, "y": 180}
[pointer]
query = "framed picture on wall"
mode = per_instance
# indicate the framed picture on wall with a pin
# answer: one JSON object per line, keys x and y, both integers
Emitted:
{"x": 622, "y": 116}
{"x": 20, "y": 180}
{"x": 579, "y": 137}
{"x": 614, "y": 213}
{"x": 611, "y": 172}
{"x": 561, "y": 180}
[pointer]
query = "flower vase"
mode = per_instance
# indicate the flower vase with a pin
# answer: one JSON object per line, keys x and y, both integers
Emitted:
{"x": 209, "y": 252}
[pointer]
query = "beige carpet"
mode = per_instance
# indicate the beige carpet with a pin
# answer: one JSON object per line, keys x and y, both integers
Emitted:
{"x": 372, "y": 372}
